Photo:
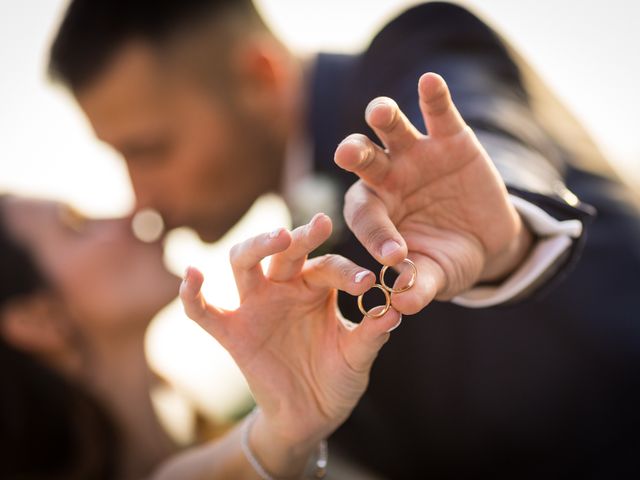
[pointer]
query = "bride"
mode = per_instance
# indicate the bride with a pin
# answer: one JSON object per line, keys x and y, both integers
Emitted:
{"x": 76, "y": 296}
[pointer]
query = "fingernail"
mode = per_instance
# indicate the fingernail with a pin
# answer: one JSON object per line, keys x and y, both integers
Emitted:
{"x": 186, "y": 274}
{"x": 371, "y": 106}
{"x": 363, "y": 150}
{"x": 396, "y": 325}
{"x": 353, "y": 141}
{"x": 389, "y": 247}
{"x": 315, "y": 218}
{"x": 275, "y": 233}
{"x": 361, "y": 276}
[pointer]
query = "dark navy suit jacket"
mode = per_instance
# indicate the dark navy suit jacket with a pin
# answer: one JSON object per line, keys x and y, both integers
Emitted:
{"x": 538, "y": 389}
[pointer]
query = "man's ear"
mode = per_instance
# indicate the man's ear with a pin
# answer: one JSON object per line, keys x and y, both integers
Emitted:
{"x": 261, "y": 66}
{"x": 37, "y": 324}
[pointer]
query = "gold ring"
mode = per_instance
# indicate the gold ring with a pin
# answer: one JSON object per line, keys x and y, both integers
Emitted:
{"x": 406, "y": 287}
{"x": 387, "y": 304}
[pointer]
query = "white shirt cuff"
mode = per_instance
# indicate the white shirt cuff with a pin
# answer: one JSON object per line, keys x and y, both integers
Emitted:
{"x": 554, "y": 239}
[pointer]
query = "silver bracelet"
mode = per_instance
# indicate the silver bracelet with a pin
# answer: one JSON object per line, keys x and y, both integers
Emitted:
{"x": 320, "y": 464}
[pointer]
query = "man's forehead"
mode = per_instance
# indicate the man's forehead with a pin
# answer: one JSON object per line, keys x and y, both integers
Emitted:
{"x": 130, "y": 93}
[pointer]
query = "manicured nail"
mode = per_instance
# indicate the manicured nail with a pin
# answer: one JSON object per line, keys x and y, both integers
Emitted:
{"x": 275, "y": 233}
{"x": 396, "y": 325}
{"x": 389, "y": 248}
{"x": 315, "y": 218}
{"x": 361, "y": 276}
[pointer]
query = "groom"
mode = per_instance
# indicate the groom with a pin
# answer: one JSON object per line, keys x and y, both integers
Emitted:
{"x": 210, "y": 111}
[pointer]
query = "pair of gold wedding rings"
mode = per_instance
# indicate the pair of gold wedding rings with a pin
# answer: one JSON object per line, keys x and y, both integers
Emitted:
{"x": 387, "y": 290}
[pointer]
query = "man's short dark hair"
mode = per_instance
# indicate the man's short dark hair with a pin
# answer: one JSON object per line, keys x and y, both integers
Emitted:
{"x": 92, "y": 31}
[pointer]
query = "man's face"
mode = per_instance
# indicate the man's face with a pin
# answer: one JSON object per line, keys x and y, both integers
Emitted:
{"x": 197, "y": 161}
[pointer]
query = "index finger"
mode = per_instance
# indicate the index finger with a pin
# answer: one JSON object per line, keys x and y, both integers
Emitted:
{"x": 368, "y": 218}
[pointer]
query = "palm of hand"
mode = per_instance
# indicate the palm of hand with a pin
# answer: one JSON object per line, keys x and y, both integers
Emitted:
{"x": 296, "y": 347}
{"x": 305, "y": 365}
{"x": 438, "y": 195}
{"x": 448, "y": 203}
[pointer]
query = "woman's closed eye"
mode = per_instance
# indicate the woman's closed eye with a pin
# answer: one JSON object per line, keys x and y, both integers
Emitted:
{"x": 72, "y": 219}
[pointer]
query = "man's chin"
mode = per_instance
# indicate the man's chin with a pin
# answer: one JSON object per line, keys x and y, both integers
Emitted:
{"x": 209, "y": 233}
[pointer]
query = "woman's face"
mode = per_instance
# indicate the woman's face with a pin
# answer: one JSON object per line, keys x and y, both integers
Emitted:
{"x": 106, "y": 277}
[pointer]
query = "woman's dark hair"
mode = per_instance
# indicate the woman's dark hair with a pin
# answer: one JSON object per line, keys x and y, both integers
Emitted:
{"x": 50, "y": 427}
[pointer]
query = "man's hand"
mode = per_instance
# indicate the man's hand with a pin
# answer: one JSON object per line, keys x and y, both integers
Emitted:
{"x": 435, "y": 198}
{"x": 306, "y": 366}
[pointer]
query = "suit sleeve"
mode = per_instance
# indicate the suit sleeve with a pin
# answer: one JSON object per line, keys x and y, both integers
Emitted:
{"x": 487, "y": 87}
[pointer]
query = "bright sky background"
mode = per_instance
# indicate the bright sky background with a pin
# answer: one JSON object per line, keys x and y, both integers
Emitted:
{"x": 586, "y": 50}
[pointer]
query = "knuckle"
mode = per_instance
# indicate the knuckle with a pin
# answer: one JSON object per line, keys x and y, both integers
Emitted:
{"x": 324, "y": 262}
{"x": 346, "y": 271}
{"x": 334, "y": 265}
{"x": 369, "y": 156}
{"x": 359, "y": 213}
{"x": 376, "y": 234}
{"x": 356, "y": 205}
{"x": 337, "y": 264}
{"x": 439, "y": 101}
{"x": 392, "y": 118}
{"x": 355, "y": 214}
{"x": 305, "y": 243}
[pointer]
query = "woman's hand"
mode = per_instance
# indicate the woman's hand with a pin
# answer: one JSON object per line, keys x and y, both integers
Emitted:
{"x": 306, "y": 366}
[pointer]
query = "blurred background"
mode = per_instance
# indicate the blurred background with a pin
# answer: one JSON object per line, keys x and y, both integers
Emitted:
{"x": 586, "y": 50}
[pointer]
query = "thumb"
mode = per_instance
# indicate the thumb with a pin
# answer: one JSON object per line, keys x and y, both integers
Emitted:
{"x": 365, "y": 341}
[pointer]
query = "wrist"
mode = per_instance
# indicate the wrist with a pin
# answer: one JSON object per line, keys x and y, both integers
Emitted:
{"x": 507, "y": 261}
{"x": 281, "y": 457}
